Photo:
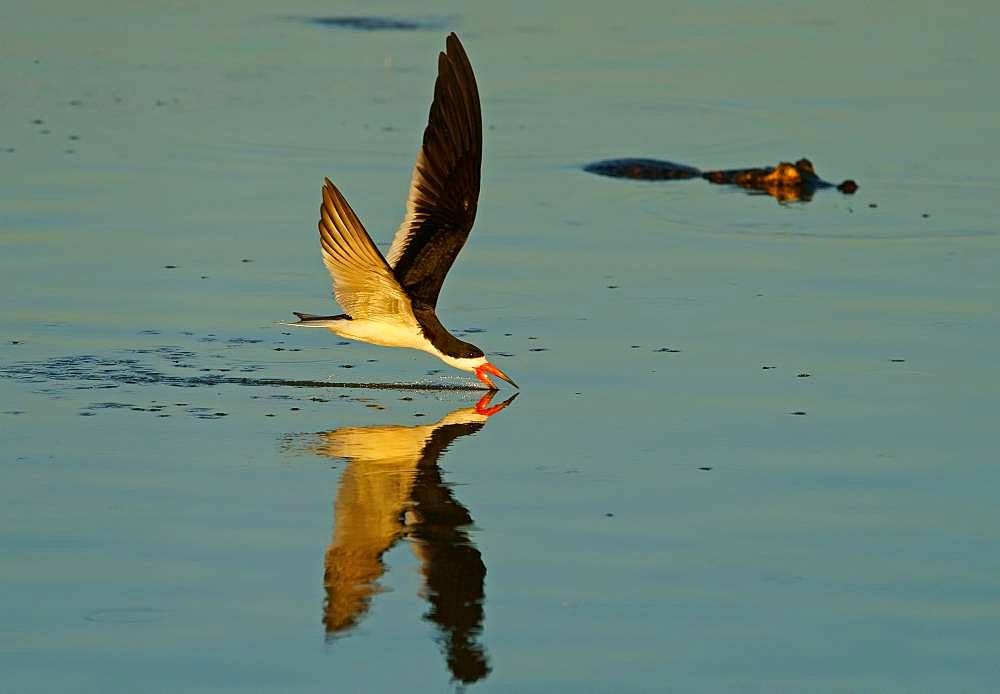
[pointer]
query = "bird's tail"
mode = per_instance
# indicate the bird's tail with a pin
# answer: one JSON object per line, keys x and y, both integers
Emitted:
{"x": 308, "y": 320}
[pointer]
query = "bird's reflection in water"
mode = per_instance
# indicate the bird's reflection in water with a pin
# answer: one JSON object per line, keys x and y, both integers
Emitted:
{"x": 392, "y": 489}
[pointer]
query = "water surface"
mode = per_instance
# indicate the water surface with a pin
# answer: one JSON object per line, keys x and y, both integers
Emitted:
{"x": 754, "y": 449}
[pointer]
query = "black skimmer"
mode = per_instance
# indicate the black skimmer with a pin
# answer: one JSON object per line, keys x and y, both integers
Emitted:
{"x": 391, "y": 301}
{"x": 392, "y": 489}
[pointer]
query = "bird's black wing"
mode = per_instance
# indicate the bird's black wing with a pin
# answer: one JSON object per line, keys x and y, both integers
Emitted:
{"x": 444, "y": 190}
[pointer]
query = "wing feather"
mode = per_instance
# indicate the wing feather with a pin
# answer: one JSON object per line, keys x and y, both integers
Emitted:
{"x": 444, "y": 190}
{"x": 363, "y": 282}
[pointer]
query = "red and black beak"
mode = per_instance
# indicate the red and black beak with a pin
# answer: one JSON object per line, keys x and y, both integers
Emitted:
{"x": 482, "y": 373}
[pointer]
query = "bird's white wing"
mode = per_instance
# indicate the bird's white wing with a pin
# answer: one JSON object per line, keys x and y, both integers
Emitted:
{"x": 363, "y": 283}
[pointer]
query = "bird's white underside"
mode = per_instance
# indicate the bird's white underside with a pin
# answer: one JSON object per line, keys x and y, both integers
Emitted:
{"x": 390, "y": 334}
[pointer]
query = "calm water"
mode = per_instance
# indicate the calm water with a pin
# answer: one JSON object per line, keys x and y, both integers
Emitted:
{"x": 652, "y": 513}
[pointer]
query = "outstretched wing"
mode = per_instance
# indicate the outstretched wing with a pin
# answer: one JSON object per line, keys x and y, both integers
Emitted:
{"x": 444, "y": 191}
{"x": 362, "y": 280}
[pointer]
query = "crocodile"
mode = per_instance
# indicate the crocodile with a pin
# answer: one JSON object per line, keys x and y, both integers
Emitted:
{"x": 786, "y": 182}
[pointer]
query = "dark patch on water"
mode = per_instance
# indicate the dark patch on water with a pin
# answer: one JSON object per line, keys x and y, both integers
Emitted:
{"x": 371, "y": 23}
{"x": 798, "y": 413}
{"x": 803, "y": 375}
{"x": 539, "y": 349}
{"x": 205, "y": 413}
{"x": 897, "y": 361}
{"x": 125, "y": 615}
{"x": 672, "y": 351}
{"x": 502, "y": 354}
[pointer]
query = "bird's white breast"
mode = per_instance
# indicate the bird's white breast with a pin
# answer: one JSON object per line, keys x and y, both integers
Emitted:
{"x": 399, "y": 334}
{"x": 383, "y": 334}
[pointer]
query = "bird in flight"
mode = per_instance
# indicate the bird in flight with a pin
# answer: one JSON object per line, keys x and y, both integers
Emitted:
{"x": 390, "y": 301}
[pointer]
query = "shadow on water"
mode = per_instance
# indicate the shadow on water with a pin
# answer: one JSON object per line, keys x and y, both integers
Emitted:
{"x": 392, "y": 489}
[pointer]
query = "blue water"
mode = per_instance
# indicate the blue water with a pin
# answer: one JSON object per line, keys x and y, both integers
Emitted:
{"x": 651, "y": 513}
